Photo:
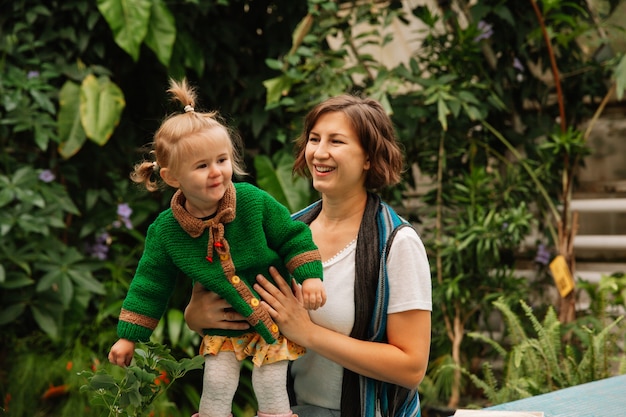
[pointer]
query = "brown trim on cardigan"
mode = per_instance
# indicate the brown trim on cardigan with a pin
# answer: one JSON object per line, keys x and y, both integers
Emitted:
{"x": 303, "y": 258}
{"x": 138, "y": 319}
{"x": 259, "y": 314}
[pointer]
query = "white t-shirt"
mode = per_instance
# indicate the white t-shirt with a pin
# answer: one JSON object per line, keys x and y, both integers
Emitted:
{"x": 317, "y": 379}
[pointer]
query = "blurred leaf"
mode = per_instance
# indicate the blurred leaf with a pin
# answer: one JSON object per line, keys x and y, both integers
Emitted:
{"x": 101, "y": 105}
{"x": 276, "y": 88}
{"x": 71, "y": 133}
{"x": 278, "y": 180}
{"x": 11, "y": 312}
{"x": 175, "y": 323}
{"x": 45, "y": 320}
{"x": 161, "y": 33}
{"x": 128, "y": 21}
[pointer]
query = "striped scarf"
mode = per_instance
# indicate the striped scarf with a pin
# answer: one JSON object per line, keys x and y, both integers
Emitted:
{"x": 360, "y": 395}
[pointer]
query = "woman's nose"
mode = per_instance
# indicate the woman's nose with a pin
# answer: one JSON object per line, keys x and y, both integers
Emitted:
{"x": 321, "y": 150}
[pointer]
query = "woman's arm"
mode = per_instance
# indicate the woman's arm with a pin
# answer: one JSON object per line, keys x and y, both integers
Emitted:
{"x": 207, "y": 310}
{"x": 401, "y": 361}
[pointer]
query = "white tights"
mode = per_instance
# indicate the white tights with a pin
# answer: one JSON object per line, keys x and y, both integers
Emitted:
{"x": 221, "y": 378}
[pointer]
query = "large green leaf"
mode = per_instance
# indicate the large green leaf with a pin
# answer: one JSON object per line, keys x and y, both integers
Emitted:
{"x": 101, "y": 105}
{"x": 85, "y": 280}
{"x": 294, "y": 193}
{"x": 44, "y": 318}
{"x": 9, "y": 313}
{"x": 128, "y": 20}
{"x": 71, "y": 133}
{"x": 161, "y": 32}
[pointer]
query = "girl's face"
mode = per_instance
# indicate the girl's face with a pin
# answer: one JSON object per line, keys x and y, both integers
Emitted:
{"x": 335, "y": 157}
{"x": 204, "y": 173}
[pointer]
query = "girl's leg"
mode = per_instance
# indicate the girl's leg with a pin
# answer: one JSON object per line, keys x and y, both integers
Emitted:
{"x": 221, "y": 377}
{"x": 270, "y": 386}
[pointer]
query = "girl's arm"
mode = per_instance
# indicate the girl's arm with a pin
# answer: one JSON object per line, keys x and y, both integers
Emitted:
{"x": 401, "y": 361}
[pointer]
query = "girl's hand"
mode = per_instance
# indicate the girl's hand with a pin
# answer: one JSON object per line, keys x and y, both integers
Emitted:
{"x": 285, "y": 305}
{"x": 122, "y": 352}
{"x": 313, "y": 293}
{"x": 207, "y": 310}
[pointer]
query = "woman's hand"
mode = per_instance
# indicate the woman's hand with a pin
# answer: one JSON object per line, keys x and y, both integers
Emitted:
{"x": 285, "y": 305}
{"x": 402, "y": 360}
{"x": 207, "y": 310}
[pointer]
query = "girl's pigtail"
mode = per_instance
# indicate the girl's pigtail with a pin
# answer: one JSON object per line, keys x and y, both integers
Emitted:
{"x": 145, "y": 173}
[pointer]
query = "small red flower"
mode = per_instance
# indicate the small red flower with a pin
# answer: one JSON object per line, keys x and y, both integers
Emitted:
{"x": 55, "y": 391}
{"x": 162, "y": 378}
{"x": 69, "y": 365}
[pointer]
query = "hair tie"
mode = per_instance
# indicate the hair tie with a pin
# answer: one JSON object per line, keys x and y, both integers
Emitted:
{"x": 188, "y": 108}
{"x": 154, "y": 165}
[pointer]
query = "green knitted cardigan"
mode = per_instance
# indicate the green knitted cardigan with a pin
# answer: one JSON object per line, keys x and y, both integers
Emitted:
{"x": 250, "y": 232}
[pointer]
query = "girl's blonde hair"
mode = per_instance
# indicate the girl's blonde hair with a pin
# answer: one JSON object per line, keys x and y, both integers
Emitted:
{"x": 169, "y": 147}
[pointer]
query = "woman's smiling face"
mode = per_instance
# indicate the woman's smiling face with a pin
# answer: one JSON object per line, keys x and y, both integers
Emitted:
{"x": 334, "y": 155}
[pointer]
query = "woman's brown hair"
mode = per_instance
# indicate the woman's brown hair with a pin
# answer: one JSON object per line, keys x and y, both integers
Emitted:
{"x": 375, "y": 131}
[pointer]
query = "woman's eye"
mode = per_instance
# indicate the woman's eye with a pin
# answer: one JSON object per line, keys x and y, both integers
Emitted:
{"x": 314, "y": 140}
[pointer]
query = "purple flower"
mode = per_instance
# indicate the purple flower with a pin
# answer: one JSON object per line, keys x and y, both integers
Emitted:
{"x": 124, "y": 210}
{"x": 486, "y": 31}
{"x": 517, "y": 64}
{"x": 32, "y": 74}
{"x": 99, "y": 251}
{"x": 104, "y": 237}
{"x": 127, "y": 222}
{"x": 46, "y": 176}
{"x": 543, "y": 255}
{"x": 100, "y": 248}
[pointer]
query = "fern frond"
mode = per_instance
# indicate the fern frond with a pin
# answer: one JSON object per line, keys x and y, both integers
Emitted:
{"x": 488, "y": 385}
{"x": 489, "y": 341}
{"x": 600, "y": 344}
{"x": 514, "y": 326}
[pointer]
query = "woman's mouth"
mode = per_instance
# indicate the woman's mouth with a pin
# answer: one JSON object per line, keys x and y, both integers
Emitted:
{"x": 323, "y": 169}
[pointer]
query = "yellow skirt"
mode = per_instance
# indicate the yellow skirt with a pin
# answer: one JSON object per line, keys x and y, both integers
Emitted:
{"x": 254, "y": 346}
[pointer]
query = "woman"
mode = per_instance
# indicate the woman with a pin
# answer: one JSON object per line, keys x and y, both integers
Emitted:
{"x": 367, "y": 348}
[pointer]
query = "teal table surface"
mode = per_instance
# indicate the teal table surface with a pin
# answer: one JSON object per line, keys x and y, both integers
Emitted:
{"x": 602, "y": 398}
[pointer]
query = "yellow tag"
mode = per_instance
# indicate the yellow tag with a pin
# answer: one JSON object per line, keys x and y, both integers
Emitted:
{"x": 562, "y": 275}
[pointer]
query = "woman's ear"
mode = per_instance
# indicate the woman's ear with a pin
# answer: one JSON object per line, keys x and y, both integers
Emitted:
{"x": 169, "y": 178}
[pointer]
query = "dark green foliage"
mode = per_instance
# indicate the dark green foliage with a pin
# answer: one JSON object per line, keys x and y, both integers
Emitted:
{"x": 139, "y": 389}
